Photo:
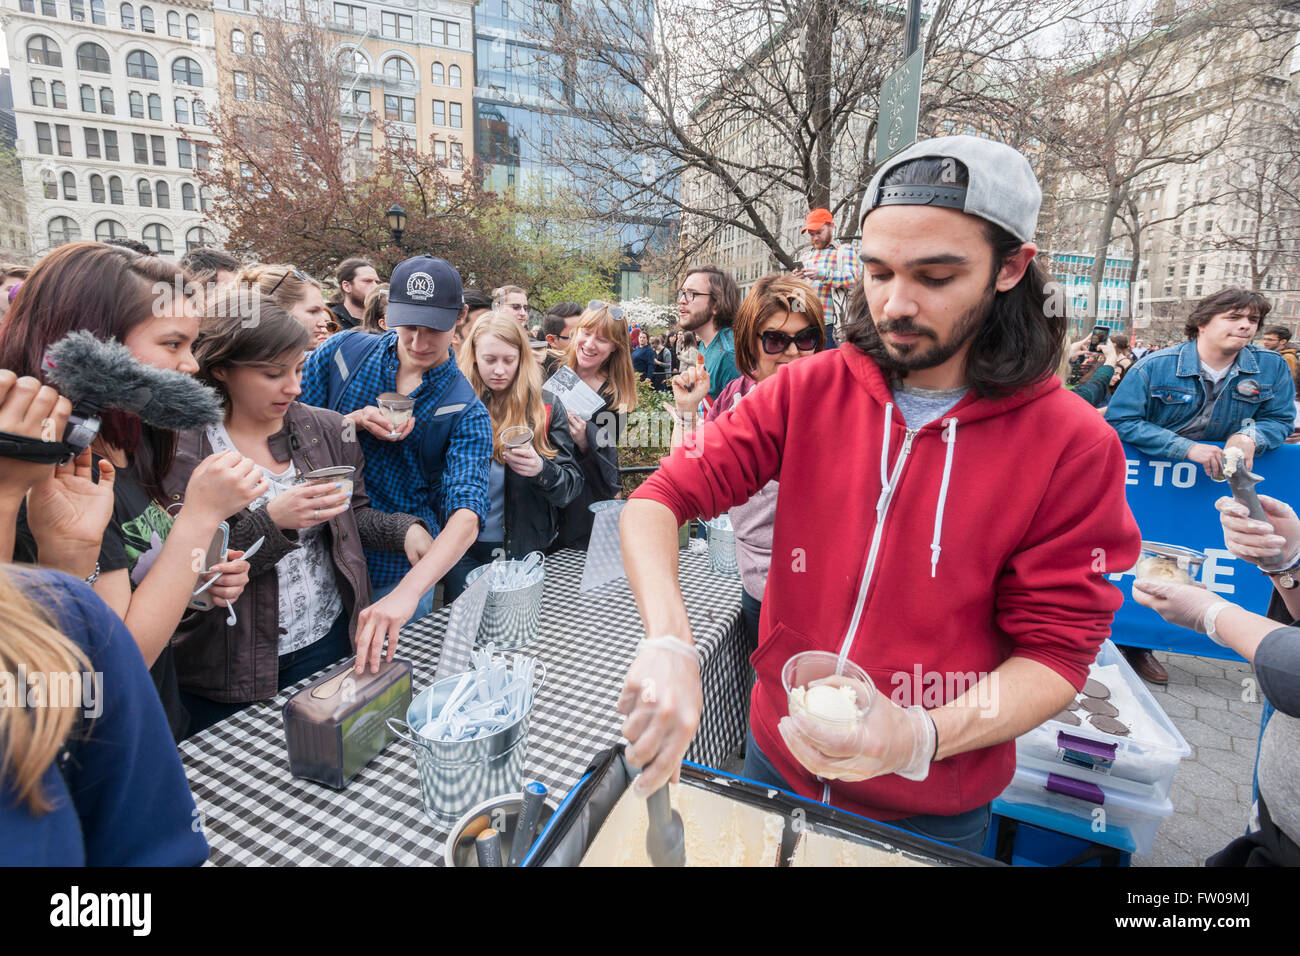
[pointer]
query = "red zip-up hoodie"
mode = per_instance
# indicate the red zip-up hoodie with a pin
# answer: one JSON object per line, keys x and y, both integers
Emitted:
{"x": 928, "y": 556}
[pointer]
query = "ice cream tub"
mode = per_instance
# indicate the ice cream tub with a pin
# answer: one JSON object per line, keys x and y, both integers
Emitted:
{"x": 1169, "y": 562}
{"x": 778, "y": 827}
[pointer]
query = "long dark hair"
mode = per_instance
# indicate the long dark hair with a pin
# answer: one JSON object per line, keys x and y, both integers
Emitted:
{"x": 107, "y": 291}
{"x": 1019, "y": 344}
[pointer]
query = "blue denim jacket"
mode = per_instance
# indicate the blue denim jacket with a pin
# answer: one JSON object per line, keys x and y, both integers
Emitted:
{"x": 1164, "y": 391}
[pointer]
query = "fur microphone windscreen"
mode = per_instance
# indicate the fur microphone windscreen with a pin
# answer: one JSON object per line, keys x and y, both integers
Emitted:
{"x": 107, "y": 375}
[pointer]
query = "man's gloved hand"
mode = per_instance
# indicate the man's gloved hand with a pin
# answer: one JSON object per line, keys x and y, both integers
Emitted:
{"x": 662, "y": 702}
{"x": 889, "y": 739}
{"x": 1185, "y": 605}
{"x": 1258, "y": 541}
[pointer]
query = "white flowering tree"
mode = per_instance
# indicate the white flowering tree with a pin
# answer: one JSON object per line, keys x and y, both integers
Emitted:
{"x": 646, "y": 314}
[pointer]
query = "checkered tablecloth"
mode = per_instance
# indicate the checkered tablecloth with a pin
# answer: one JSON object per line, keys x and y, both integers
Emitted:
{"x": 255, "y": 812}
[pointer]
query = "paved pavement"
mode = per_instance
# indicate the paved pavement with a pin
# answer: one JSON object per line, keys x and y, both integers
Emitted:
{"x": 1211, "y": 792}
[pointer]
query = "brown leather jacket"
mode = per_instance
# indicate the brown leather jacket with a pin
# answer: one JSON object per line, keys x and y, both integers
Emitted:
{"x": 241, "y": 663}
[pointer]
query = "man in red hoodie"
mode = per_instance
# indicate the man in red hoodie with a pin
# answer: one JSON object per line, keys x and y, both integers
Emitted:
{"x": 948, "y": 527}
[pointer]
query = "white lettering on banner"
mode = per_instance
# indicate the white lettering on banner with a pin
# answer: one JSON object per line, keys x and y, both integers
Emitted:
{"x": 1159, "y": 467}
{"x": 1130, "y": 471}
{"x": 1218, "y": 564}
{"x": 1184, "y": 475}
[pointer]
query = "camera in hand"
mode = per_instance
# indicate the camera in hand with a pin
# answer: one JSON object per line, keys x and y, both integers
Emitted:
{"x": 97, "y": 376}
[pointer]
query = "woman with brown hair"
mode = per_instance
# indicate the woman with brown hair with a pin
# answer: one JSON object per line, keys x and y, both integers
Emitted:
{"x": 88, "y": 772}
{"x": 528, "y": 483}
{"x": 295, "y": 292}
{"x": 599, "y": 353}
{"x": 781, "y": 320}
{"x": 143, "y": 566}
{"x": 372, "y": 320}
{"x": 308, "y": 585}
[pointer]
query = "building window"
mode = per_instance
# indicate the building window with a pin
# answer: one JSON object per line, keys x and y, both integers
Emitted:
{"x": 238, "y": 5}
{"x": 241, "y": 85}
{"x": 92, "y": 142}
{"x": 396, "y": 26}
{"x": 259, "y": 45}
{"x": 49, "y": 186}
{"x": 107, "y": 229}
{"x": 135, "y": 100}
{"x": 63, "y": 137}
{"x": 454, "y": 114}
{"x": 261, "y": 88}
{"x": 439, "y": 76}
{"x": 44, "y": 51}
{"x": 457, "y": 156}
{"x": 173, "y": 23}
{"x": 110, "y": 145}
{"x": 159, "y": 150}
{"x": 146, "y": 20}
{"x": 78, "y": 10}
{"x": 199, "y": 113}
{"x": 143, "y": 193}
{"x": 350, "y": 17}
{"x": 163, "y": 195}
{"x": 115, "y": 190}
{"x": 155, "y": 107}
{"x": 181, "y": 107}
{"x": 396, "y": 68}
{"x": 440, "y": 152}
{"x": 58, "y": 95}
{"x": 69, "y": 187}
{"x": 439, "y": 113}
{"x": 140, "y": 146}
{"x": 141, "y": 65}
{"x": 62, "y": 229}
{"x": 88, "y": 104}
{"x": 185, "y": 151}
{"x": 97, "y": 16}
{"x": 158, "y": 238}
{"x": 353, "y": 60}
{"x": 198, "y": 238}
{"x": 200, "y": 156}
{"x": 96, "y": 188}
{"x": 106, "y": 104}
{"x": 205, "y": 199}
{"x": 191, "y": 27}
{"x": 399, "y": 108}
{"x": 446, "y": 33}
{"x": 127, "y": 14}
{"x": 360, "y": 100}
{"x": 38, "y": 93}
{"x": 187, "y": 72}
{"x": 453, "y": 76}
{"x": 43, "y": 142}
{"x": 238, "y": 43}
{"x": 187, "y": 196}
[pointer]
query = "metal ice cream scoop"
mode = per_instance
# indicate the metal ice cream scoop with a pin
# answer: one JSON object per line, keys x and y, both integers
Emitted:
{"x": 665, "y": 839}
{"x": 1243, "y": 481}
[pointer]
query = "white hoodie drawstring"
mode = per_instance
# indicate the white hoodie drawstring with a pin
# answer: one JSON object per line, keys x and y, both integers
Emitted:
{"x": 951, "y": 439}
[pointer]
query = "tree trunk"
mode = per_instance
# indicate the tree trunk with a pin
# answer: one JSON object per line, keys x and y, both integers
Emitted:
{"x": 1133, "y": 271}
{"x": 818, "y": 37}
{"x": 1106, "y": 227}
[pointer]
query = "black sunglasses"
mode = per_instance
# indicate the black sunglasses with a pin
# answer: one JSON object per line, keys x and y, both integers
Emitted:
{"x": 595, "y": 305}
{"x": 292, "y": 272}
{"x": 774, "y": 343}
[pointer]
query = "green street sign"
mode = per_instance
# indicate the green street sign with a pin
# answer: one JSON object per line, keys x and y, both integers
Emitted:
{"x": 900, "y": 107}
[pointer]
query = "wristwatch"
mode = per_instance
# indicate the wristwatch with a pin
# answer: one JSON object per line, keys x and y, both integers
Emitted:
{"x": 1284, "y": 578}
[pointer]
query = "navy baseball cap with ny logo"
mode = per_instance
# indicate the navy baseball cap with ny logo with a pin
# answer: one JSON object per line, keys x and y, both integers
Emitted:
{"x": 424, "y": 290}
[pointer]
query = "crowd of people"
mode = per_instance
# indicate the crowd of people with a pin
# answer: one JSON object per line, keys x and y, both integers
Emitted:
{"x": 392, "y": 439}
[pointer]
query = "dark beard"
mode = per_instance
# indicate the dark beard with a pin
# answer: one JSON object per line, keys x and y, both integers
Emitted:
{"x": 921, "y": 355}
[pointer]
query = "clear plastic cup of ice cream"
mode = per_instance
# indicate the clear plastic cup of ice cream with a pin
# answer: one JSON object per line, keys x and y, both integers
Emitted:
{"x": 337, "y": 474}
{"x": 812, "y": 687}
{"x": 516, "y": 436}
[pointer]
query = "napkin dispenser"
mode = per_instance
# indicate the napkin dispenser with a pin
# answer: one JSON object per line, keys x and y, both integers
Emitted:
{"x": 338, "y": 724}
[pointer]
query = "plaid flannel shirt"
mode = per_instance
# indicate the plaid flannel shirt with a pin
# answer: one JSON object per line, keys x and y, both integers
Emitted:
{"x": 395, "y": 479}
{"x": 838, "y": 266}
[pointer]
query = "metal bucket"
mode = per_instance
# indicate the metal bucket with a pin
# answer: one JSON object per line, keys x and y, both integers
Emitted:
{"x": 456, "y": 775}
{"x": 722, "y": 546}
{"x": 501, "y": 813}
{"x": 510, "y": 617}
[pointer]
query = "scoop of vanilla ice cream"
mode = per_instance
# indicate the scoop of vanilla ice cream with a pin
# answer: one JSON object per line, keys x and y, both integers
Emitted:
{"x": 1162, "y": 569}
{"x": 826, "y": 701}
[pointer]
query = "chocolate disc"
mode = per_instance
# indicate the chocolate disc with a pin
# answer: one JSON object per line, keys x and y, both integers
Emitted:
{"x": 1108, "y": 725}
{"x": 1066, "y": 717}
{"x": 1100, "y": 707}
{"x": 1095, "y": 688}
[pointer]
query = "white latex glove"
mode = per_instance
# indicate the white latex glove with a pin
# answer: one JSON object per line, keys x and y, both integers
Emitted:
{"x": 1258, "y": 541}
{"x": 890, "y": 739}
{"x": 662, "y": 701}
{"x": 1184, "y": 605}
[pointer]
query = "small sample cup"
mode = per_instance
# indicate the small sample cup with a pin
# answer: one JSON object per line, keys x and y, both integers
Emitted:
{"x": 808, "y": 667}
{"x": 337, "y": 474}
{"x": 516, "y": 436}
{"x": 397, "y": 408}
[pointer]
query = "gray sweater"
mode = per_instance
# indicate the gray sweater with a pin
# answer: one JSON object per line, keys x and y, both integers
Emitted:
{"x": 1277, "y": 664}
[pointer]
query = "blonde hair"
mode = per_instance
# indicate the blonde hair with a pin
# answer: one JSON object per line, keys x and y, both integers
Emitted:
{"x": 522, "y": 404}
{"x": 620, "y": 375}
{"x": 499, "y": 295}
{"x": 284, "y": 285}
{"x": 32, "y": 737}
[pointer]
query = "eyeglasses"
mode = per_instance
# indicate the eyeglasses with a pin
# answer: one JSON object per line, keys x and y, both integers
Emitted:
{"x": 292, "y": 272}
{"x": 774, "y": 343}
{"x": 689, "y": 295}
{"x": 595, "y": 305}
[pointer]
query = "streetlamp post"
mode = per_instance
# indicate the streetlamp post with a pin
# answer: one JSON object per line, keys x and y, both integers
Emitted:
{"x": 397, "y": 224}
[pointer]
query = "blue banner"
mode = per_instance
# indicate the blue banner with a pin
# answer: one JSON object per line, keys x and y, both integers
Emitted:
{"x": 1173, "y": 502}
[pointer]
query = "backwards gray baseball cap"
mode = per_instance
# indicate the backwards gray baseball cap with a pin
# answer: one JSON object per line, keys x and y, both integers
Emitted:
{"x": 1001, "y": 187}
